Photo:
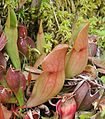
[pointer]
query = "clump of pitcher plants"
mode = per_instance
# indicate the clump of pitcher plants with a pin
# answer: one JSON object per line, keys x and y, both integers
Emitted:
{"x": 46, "y": 84}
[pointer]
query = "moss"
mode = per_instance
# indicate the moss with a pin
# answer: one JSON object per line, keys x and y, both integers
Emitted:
{"x": 68, "y": 13}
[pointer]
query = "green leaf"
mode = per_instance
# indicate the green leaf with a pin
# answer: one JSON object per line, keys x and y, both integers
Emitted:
{"x": 103, "y": 79}
{"x": 12, "y": 35}
{"x": 85, "y": 116}
{"x": 44, "y": 0}
{"x": 40, "y": 39}
{"x": 20, "y": 97}
{"x": 103, "y": 56}
{"x": 103, "y": 113}
{"x": 12, "y": 19}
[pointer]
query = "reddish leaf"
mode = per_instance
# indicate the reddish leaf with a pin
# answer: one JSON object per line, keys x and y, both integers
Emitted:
{"x": 3, "y": 41}
{"x": 1, "y": 111}
{"x": 7, "y": 114}
{"x": 24, "y": 44}
{"x": 7, "y": 96}
{"x": 81, "y": 93}
{"x": 99, "y": 62}
{"x": 51, "y": 81}
{"x": 66, "y": 108}
{"x": 22, "y": 31}
{"x": 15, "y": 79}
{"x": 83, "y": 96}
{"x": 81, "y": 38}
{"x": 24, "y": 41}
{"x": 89, "y": 99}
{"x": 92, "y": 49}
{"x": 17, "y": 82}
{"x": 1, "y": 70}
{"x": 2, "y": 66}
{"x": 4, "y": 113}
{"x": 77, "y": 58}
{"x": 54, "y": 62}
{"x": 76, "y": 62}
{"x": 2, "y": 61}
{"x": 1, "y": 87}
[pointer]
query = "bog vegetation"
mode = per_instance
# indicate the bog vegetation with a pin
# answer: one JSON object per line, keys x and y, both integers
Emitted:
{"x": 52, "y": 59}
